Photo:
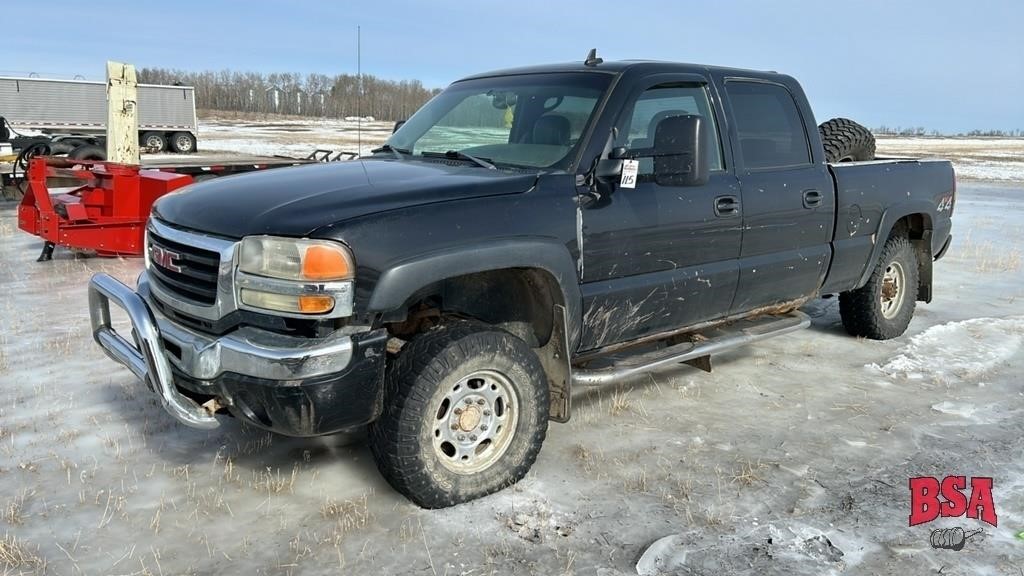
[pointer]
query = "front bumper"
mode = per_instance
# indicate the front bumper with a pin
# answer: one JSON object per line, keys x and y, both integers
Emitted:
{"x": 291, "y": 385}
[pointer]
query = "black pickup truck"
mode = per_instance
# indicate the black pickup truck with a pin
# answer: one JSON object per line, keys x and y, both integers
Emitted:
{"x": 526, "y": 232}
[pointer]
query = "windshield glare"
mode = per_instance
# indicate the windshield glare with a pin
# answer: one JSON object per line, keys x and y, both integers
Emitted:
{"x": 532, "y": 121}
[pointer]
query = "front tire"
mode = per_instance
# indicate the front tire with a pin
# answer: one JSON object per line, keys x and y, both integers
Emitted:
{"x": 465, "y": 414}
{"x": 882, "y": 308}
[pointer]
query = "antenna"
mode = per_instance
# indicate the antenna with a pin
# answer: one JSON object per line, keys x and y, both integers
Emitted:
{"x": 359, "y": 94}
{"x": 592, "y": 59}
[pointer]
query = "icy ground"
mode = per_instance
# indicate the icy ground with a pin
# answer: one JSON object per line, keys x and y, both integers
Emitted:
{"x": 290, "y": 136}
{"x": 793, "y": 457}
{"x": 989, "y": 159}
{"x": 999, "y": 159}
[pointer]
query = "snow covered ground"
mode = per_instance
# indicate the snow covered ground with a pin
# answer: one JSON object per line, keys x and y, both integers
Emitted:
{"x": 290, "y": 136}
{"x": 998, "y": 159}
{"x": 992, "y": 159}
{"x": 792, "y": 457}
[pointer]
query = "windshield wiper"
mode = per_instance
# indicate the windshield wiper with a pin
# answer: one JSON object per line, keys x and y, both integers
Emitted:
{"x": 459, "y": 155}
{"x": 398, "y": 152}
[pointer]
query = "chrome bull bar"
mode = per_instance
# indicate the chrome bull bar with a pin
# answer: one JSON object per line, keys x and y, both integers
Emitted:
{"x": 147, "y": 359}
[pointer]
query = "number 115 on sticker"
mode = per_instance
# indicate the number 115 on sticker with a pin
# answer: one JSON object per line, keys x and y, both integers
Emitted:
{"x": 629, "y": 172}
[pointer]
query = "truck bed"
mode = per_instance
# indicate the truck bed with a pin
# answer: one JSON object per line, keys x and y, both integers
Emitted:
{"x": 871, "y": 195}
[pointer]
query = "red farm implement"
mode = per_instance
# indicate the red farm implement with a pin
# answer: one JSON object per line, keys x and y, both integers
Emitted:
{"x": 104, "y": 211}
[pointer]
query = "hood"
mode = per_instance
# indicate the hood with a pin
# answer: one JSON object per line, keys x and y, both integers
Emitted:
{"x": 296, "y": 201}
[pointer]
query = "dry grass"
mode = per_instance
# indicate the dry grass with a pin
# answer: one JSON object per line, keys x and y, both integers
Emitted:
{"x": 988, "y": 256}
{"x": 747, "y": 473}
{"x": 18, "y": 556}
{"x": 620, "y": 402}
{"x": 350, "y": 515}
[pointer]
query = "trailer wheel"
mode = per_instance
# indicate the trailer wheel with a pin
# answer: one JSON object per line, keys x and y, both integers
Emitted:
{"x": 88, "y": 152}
{"x": 183, "y": 142}
{"x": 154, "y": 141}
{"x": 465, "y": 414}
{"x": 846, "y": 141}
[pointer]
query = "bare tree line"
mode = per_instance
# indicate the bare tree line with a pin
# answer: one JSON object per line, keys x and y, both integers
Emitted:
{"x": 921, "y": 131}
{"x": 287, "y": 93}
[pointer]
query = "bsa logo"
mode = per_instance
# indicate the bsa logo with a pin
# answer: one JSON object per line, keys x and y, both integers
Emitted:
{"x": 164, "y": 258}
{"x": 930, "y": 498}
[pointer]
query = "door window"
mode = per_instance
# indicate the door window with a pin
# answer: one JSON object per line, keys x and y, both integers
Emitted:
{"x": 663, "y": 101}
{"x": 770, "y": 129}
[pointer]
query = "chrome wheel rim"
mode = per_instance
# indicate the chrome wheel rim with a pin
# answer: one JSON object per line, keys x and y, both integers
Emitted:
{"x": 894, "y": 282}
{"x": 184, "y": 143}
{"x": 475, "y": 421}
{"x": 154, "y": 142}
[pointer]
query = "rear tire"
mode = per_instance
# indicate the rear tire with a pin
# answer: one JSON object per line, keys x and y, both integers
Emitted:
{"x": 465, "y": 414}
{"x": 58, "y": 148}
{"x": 88, "y": 152}
{"x": 183, "y": 142}
{"x": 154, "y": 142}
{"x": 846, "y": 141}
{"x": 882, "y": 308}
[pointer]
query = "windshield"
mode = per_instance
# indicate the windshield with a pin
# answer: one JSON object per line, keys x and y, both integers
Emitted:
{"x": 529, "y": 121}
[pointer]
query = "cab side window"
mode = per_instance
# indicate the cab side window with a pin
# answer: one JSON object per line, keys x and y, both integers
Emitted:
{"x": 660, "y": 102}
{"x": 771, "y": 131}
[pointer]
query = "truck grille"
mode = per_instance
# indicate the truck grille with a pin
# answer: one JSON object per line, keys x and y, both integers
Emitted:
{"x": 184, "y": 270}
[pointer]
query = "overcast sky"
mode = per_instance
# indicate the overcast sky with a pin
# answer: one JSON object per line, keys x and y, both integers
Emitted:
{"x": 951, "y": 65}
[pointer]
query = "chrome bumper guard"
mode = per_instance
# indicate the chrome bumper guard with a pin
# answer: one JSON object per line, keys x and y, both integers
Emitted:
{"x": 247, "y": 351}
{"x": 147, "y": 360}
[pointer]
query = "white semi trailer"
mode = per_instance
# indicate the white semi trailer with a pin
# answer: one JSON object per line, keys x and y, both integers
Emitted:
{"x": 167, "y": 114}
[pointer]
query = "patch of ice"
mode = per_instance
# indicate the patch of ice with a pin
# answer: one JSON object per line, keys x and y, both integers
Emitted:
{"x": 795, "y": 470}
{"x": 955, "y": 408}
{"x": 961, "y": 350}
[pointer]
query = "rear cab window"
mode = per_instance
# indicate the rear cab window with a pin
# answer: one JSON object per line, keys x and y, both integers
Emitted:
{"x": 769, "y": 126}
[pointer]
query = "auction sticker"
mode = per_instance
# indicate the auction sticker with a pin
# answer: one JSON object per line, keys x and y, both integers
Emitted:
{"x": 629, "y": 172}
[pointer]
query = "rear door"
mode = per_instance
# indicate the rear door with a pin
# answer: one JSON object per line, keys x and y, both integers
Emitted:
{"x": 787, "y": 196}
{"x": 655, "y": 257}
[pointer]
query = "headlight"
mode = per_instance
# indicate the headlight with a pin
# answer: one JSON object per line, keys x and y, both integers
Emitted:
{"x": 297, "y": 277}
{"x": 295, "y": 259}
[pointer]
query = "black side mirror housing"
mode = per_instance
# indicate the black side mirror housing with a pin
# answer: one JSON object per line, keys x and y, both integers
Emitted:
{"x": 679, "y": 155}
{"x": 397, "y": 126}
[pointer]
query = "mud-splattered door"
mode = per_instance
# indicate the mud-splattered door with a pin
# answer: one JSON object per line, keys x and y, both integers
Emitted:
{"x": 658, "y": 257}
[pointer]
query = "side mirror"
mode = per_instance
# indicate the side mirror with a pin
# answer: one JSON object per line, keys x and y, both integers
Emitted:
{"x": 398, "y": 125}
{"x": 679, "y": 155}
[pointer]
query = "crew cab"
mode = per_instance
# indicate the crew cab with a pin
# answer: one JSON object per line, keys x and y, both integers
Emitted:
{"x": 453, "y": 288}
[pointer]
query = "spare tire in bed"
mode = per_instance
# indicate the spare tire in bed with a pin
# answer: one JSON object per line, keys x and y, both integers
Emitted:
{"x": 846, "y": 141}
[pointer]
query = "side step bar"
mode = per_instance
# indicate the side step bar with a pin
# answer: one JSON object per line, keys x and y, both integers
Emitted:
{"x": 725, "y": 338}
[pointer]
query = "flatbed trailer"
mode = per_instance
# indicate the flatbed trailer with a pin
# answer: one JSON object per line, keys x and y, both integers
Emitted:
{"x": 202, "y": 166}
{"x": 102, "y": 207}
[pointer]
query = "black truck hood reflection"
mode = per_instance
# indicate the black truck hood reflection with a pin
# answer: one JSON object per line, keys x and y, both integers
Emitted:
{"x": 296, "y": 201}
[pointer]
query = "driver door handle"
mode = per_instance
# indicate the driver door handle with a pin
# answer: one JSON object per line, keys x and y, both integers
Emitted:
{"x": 727, "y": 206}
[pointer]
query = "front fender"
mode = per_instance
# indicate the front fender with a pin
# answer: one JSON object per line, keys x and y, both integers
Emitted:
{"x": 399, "y": 282}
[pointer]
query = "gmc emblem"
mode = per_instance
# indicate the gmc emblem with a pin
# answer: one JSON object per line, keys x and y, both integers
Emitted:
{"x": 164, "y": 258}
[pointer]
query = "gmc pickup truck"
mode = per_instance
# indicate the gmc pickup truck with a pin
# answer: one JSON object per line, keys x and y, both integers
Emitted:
{"x": 526, "y": 232}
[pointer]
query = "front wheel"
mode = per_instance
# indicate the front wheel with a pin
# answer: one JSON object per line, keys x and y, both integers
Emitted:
{"x": 465, "y": 414}
{"x": 882, "y": 308}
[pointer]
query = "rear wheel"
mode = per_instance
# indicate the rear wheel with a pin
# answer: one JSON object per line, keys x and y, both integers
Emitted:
{"x": 154, "y": 141}
{"x": 465, "y": 414}
{"x": 846, "y": 141}
{"x": 88, "y": 152}
{"x": 183, "y": 142}
{"x": 882, "y": 308}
